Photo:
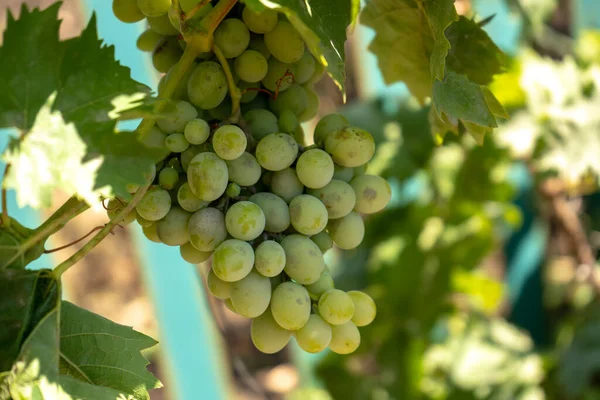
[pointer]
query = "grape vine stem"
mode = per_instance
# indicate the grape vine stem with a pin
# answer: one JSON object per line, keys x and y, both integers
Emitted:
{"x": 5, "y": 217}
{"x": 234, "y": 91}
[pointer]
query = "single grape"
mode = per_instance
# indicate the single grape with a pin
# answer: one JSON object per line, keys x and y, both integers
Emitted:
{"x": 148, "y": 40}
{"x": 267, "y": 336}
{"x": 304, "y": 68}
{"x": 176, "y": 143}
{"x": 318, "y": 74}
{"x": 285, "y": 184}
{"x": 304, "y": 261}
{"x": 324, "y": 284}
{"x": 207, "y": 86}
{"x": 336, "y": 307}
{"x": 207, "y": 229}
{"x": 373, "y": 193}
{"x": 312, "y": 105}
{"x": 338, "y": 197}
{"x": 276, "y": 151}
{"x": 232, "y": 37}
{"x": 343, "y": 173}
{"x": 257, "y": 43}
{"x": 275, "y": 209}
{"x": 222, "y": 111}
{"x": 233, "y": 190}
{"x": 251, "y": 66}
{"x": 162, "y": 25}
{"x": 269, "y": 258}
{"x": 244, "y": 170}
{"x": 247, "y": 93}
{"x": 132, "y": 188}
{"x": 233, "y": 260}
{"x": 167, "y": 178}
{"x": 251, "y": 295}
{"x": 154, "y": 8}
{"x": 192, "y": 255}
{"x": 218, "y": 287}
{"x": 229, "y": 142}
{"x": 155, "y": 204}
{"x": 181, "y": 91}
{"x": 299, "y": 135}
{"x": 143, "y": 222}
{"x": 196, "y": 131}
{"x": 314, "y": 168}
{"x": 276, "y": 79}
{"x": 347, "y": 232}
{"x": 175, "y": 163}
{"x": 365, "y": 309}
{"x": 261, "y": 123}
{"x": 345, "y": 338}
{"x": 350, "y": 146}
{"x": 327, "y": 125}
{"x": 308, "y": 214}
{"x": 150, "y": 233}
{"x": 127, "y": 11}
{"x": 288, "y": 122}
{"x": 315, "y": 336}
{"x": 166, "y": 54}
{"x": 176, "y": 120}
{"x": 229, "y": 305}
{"x": 360, "y": 170}
{"x": 245, "y": 220}
{"x": 323, "y": 240}
{"x": 173, "y": 228}
{"x": 260, "y": 22}
{"x": 207, "y": 176}
{"x": 290, "y": 305}
{"x": 115, "y": 206}
{"x": 285, "y": 43}
{"x": 293, "y": 99}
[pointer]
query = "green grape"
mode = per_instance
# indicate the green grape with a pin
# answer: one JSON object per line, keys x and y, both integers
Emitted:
{"x": 318, "y": 74}
{"x": 285, "y": 43}
{"x": 267, "y": 336}
{"x": 251, "y": 66}
{"x": 196, "y": 131}
{"x": 314, "y": 168}
{"x": 365, "y": 309}
{"x": 229, "y": 305}
{"x": 188, "y": 200}
{"x": 261, "y": 123}
{"x": 276, "y": 151}
{"x": 244, "y": 170}
{"x": 350, "y": 146}
{"x": 154, "y": 138}
{"x": 315, "y": 336}
{"x": 180, "y": 91}
{"x": 127, "y": 11}
{"x": 312, "y": 105}
{"x": 229, "y": 142}
{"x": 275, "y": 209}
{"x": 299, "y": 135}
{"x": 269, "y": 258}
{"x": 290, "y": 305}
{"x": 176, "y": 120}
{"x": 260, "y": 22}
{"x": 251, "y": 295}
{"x": 360, "y": 170}
{"x": 222, "y": 111}
{"x": 323, "y": 240}
{"x": 162, "y": 25}
{"x": 329, "y": 124}
{"x": 233, "y": 190}
{"x": 165, "y": 55}
{"x": 167, "y": 178}
{"x": 207, "y": 86}
{"x": 245, "y": 220}
{"x": 187, "y": 156}
{"x": 288, "y": 122}
{"x": 176, "y": 143}
{"x": 343, "y": 173}
{"x": 233, "y": 260}
{"x": 132, "y": 188}
{"x": 257, "y": 43}
{"x": 373, "y": 193}
{"x": 143, "y": 222}
{"x": 304, "y": 261}
{"x": 207, "y": 176}
{"x": 175, "y": 164}
{"x": 218, "y": 287}
{"x": 150, "y": 233}
{"x": 115, "y": 206}
{"x": 285, "y": 184}
{"x": 345, "y": 338}
{"x": 324, "y": 284}
{"x": 248, "y": 95}
{"x": 154, "y": 8}
{"x": 304, "y": 68}
{"x": 207, "y": 229}
{"x": 338, "y": 197}
{"x": 275, "y": 80}
{"x": 347, "y": 232}
{"x": 232, "y": 37}
{"x": 173, "y": 228}
{"x": 192, "y": 255}
{"x": 308, "y": 214}
{"x": 336, "y": 307}
{"x": 155, "y": 204}
{"x": 293, "y": 99}
{"x": 148, "y": 40}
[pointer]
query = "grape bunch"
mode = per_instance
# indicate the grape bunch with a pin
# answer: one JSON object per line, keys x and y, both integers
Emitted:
{"x": 254, "y": 196}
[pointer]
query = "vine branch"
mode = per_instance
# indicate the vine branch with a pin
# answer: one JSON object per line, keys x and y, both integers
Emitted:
{"x": 234, "y": 92}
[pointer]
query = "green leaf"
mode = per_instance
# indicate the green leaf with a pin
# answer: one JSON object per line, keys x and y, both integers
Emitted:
{"x": 100, "y": 352}
{"x": 12, "y": 238}
{"x": 28, "y": 65}
{"x": 323, "y": 25}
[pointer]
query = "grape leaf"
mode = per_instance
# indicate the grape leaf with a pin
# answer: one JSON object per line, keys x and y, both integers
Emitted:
{"x": 322, "y": 23}
{"x": 12, "y": 255}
